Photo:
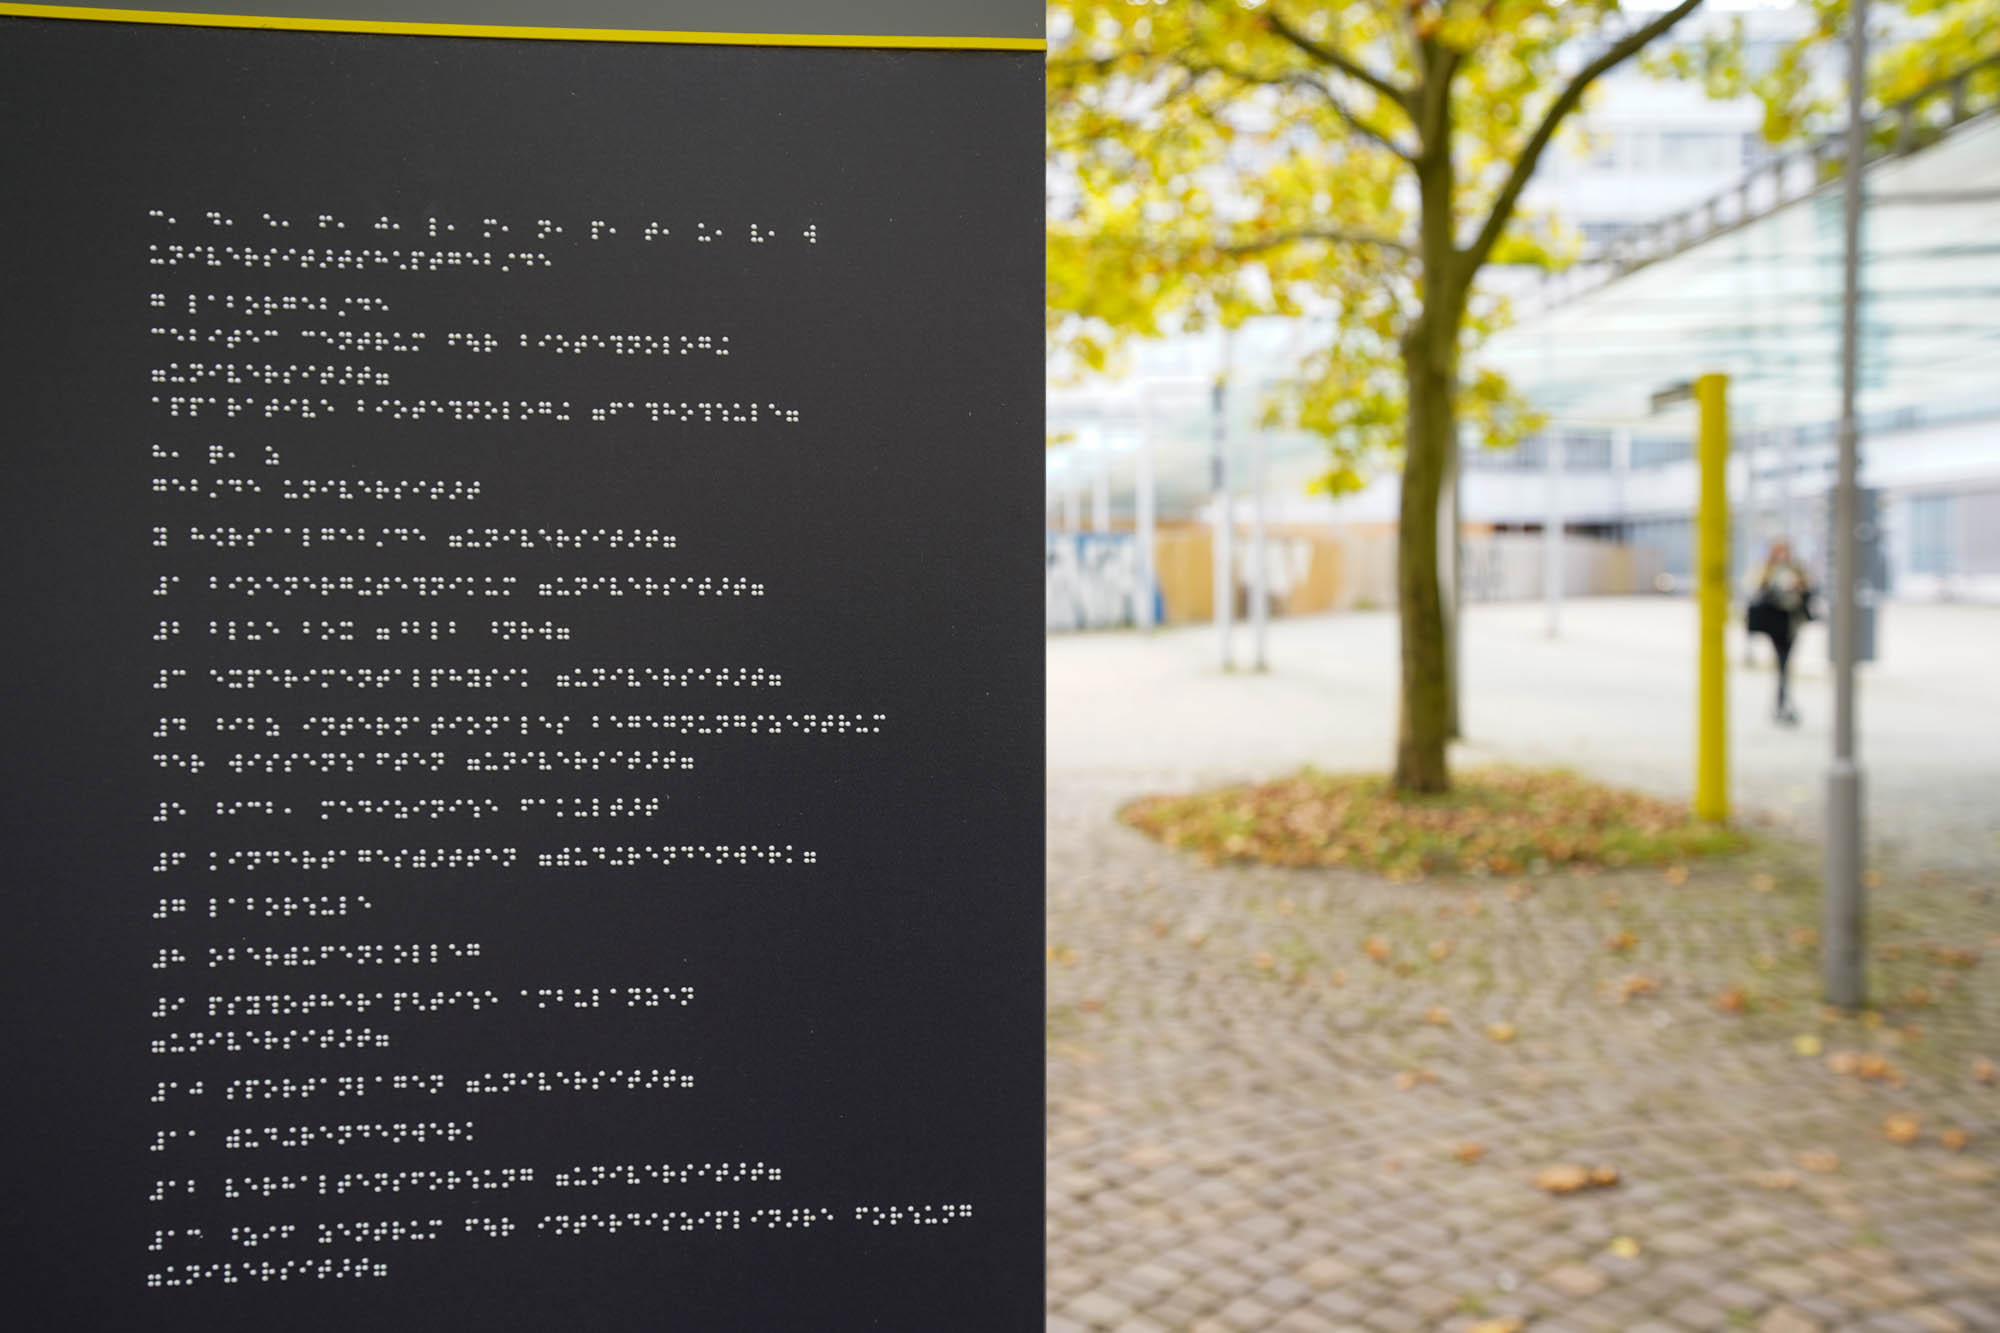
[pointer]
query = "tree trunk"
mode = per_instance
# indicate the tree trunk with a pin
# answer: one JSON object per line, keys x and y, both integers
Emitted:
{"x": 1424, "y": 726}
{"x": 1430, "y": 368}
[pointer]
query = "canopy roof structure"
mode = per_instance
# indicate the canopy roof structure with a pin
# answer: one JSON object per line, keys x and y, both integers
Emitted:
{"x": 1758, "y": 299}
{"x": 1761, "y": 303}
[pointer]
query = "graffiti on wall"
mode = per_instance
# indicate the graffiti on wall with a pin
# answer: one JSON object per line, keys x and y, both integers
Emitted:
{"x": 1095, "y": 580}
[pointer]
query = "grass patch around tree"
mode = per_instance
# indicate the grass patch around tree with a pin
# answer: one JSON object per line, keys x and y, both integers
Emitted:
{"x": 1495, "y": 821}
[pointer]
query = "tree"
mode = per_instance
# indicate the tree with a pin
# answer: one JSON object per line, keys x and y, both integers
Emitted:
{"x": 1216, "y": 159}
{"x": 1915, "y": 45}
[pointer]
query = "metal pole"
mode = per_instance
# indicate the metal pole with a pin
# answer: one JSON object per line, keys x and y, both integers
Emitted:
{"x": 1142, "y": 516}
{"x": 1451, "y": 549}
{"x": 1843, "y": 907}
{"x": 1552, "y": 535}
{"x": 1752, "y": 524}
{"x": 1260, "y": 569}
{"x": 1711, "y": 567}
{"x": 1100, "y": 489}
{"x": 1225, "y": 517}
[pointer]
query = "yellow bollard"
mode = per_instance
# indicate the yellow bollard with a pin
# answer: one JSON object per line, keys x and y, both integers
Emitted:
{"x": 1711, "y": 559}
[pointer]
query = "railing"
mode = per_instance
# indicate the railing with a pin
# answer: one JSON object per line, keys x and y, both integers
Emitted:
{"x": 1902, "y": 127}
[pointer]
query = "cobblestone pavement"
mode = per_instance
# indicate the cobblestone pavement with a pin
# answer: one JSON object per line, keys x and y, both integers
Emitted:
{"x": 1316, "y": 1101}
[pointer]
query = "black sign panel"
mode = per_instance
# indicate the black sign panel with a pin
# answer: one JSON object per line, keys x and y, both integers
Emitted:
{"x": 524, "y": 683}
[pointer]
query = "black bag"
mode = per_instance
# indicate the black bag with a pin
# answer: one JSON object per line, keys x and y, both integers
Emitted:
{"x": 1766, "y": 617}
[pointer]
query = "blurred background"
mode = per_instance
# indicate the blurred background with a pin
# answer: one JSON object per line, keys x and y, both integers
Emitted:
{"x": 1371, "y": 449}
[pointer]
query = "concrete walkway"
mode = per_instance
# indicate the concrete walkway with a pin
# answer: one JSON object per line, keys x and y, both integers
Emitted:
{"x": 1612, "y": 695}
{"x": 1315, "y": 1102}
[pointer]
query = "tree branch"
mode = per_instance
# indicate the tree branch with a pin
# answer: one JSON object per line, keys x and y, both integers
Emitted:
{"x": 1524, "y": 164}
{"x": 1326, "y": 55}
{"x": 1200, "y": 65}
{"x": 1337, "y": 235}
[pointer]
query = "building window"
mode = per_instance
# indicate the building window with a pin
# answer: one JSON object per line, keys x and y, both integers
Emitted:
{"x": 1930, "y": 534}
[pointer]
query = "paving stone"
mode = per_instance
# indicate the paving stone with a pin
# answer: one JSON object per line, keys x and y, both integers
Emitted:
{"x": 1787, "y": 1319}
{"x": 1978, "y": 1314}
{"x": 1392, "y": 1319}
{"x": 1785, "y": 1281}
{"x": 1094, "y": 1309}
{"x": 1699, "y": 1315}
{"x": 1244, "y": 1314}
{"x": 1325, "y": 1271}
{"x": 1575, "y": 1279}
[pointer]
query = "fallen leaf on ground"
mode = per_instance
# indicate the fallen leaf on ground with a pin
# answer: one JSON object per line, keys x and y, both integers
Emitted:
{"x": 1870, "y": 1067}
{"x": 1569, "y": 1178}
{"x": 1625, "y": 1247}
{"x": 1622, "y": 942}
{"x": 1440, "y": 950}
{"x": 1822, "y": 1160}
{"x": 1263, "y": 962}
{"x": 1160, "y": 928}
{"x": 1501, "y": 1032}
{"x": 1763, "y": 882}
{"x": 1954, "y": 1138}
{"x": 1984, "y": 1070}
{"x": 1775, "y": 1180}
{"x": 1733, "y": 1001}
{"x": 1807, "y": 1044}
{"x": 1518, "y": 890}
{"x": 1675, "y": 875}
{"x": 1377, "y": 948}
{"x": 1469, "y": 1152}
{"x": 1409, "y": 1078}
{"x": 1286, "y": 907}
{"x": 1565, "y": 1178}
{"x": 1636, "y": 984}
{"x": 1438, "y": 1016}
{"x": 1496, "y": 1326}
{"x": 1902, "y": 1127}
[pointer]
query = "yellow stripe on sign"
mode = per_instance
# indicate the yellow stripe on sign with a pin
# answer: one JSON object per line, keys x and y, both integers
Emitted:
{"x": 540, "y": 34}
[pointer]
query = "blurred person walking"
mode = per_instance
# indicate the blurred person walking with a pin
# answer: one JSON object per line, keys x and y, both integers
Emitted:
{"x": 1780, "y": 602}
